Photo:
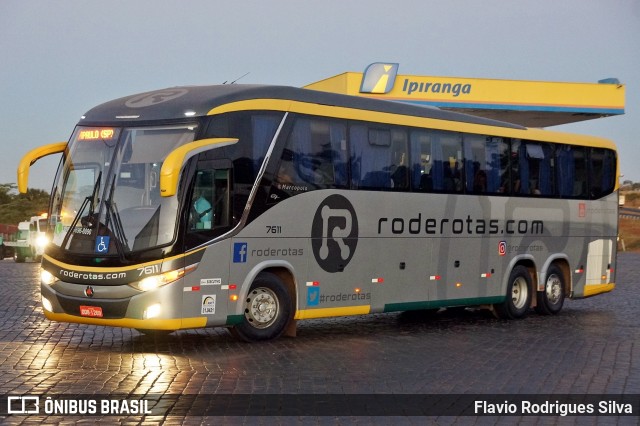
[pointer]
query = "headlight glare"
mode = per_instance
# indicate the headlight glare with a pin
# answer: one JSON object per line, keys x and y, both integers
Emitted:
{"x": 156, "y": 281}
{"x": 42, "y": 241}
{"x": 47, "y": 277}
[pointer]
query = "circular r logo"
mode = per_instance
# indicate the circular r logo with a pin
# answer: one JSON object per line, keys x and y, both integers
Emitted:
{"x": 334, "y": 233}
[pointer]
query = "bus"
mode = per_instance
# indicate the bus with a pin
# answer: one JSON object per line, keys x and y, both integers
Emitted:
{"x": 253, "y": 207}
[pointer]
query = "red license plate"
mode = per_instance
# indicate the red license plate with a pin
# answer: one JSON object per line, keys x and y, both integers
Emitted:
{"x": 91, "y": 311}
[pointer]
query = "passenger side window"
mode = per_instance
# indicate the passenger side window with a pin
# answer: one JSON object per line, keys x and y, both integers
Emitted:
{"x": 602, "y": 171}
{"x": 446, "y": 173}
{"x": 486, "y": 162}
{"x": 314, "y": 157}
{"x": 422, "y": 180}
{"x": 534, "y": 168}
{"x": 437, "y": 161}
{"x": 379, "y": 158}
{"x": 571, "y": 171}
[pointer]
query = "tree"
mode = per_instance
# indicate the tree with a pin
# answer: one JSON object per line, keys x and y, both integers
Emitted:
{"x": 5, "y": 189}
{"x": 16, "y": 208}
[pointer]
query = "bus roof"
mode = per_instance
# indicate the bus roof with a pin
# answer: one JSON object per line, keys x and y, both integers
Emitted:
{"x": 194, "y": 101}
{"x": 173, "y": 103}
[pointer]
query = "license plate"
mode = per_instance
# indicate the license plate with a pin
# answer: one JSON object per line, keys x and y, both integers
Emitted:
{"x": 91, "y": 311}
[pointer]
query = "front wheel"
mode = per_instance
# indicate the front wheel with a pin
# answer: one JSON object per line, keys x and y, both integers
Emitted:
{"x": 550, "y": 300}
{"x": 516, "y": 304}
{"x": 267, "y": 310}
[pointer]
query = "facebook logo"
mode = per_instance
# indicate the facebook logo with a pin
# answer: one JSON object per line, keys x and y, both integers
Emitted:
{"x": 239, "y": 252}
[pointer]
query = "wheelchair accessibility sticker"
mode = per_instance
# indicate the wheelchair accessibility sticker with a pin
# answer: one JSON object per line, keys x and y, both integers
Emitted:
{"x": 102, "y": 244}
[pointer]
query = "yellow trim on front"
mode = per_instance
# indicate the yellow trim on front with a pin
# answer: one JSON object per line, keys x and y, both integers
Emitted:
{"x": 409, "y": 120}
{"x": 116, "y": 269}
{"x": 170, "y": 171}
{"x": 332, "y": 312}
{"x": 31, "y": 157}
{"x": 593, "y": 289}
{"x": 148, "y": 324}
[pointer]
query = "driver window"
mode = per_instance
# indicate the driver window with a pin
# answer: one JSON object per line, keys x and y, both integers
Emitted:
{"x": 210, "y": 201}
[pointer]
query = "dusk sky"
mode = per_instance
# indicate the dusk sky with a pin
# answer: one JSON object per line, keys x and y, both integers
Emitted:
{"x": 61, "y": 58}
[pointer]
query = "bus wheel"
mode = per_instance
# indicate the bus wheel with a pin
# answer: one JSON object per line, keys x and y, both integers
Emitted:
{"x": 267, "y": 310}
{"x": 518, "y": 300}
{"x": 550, "y": 300}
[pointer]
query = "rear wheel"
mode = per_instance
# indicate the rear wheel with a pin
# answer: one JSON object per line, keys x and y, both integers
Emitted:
{"x": 516, "y": 304}
{"x": 267, "y": 310}
{"x": 550, "y": 300}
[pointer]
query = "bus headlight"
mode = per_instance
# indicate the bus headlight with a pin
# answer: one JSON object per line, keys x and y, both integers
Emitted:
{"x": 156, "y": 281}
{"x": 47, "y": 277}
{"x": 46, "y": 305}
{"x": 42, "y": 241}
{"x": 152, "y": 311}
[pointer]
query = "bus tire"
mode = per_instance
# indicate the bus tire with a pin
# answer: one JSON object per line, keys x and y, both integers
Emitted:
{"x": 267, "y": 310}
{"x": 550, "y": 300}
{"x": 518, "y": 299}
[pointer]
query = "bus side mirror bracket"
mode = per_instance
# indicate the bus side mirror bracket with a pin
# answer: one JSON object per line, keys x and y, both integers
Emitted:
{"x": 31, "y": 157}
{"x": 170, "y": 171}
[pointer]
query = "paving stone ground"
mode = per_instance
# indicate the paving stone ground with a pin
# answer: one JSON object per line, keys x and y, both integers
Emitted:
{"x": 592, "y": 347}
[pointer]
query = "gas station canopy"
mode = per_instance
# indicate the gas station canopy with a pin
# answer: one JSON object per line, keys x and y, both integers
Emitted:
{"x": 528, "y": 103}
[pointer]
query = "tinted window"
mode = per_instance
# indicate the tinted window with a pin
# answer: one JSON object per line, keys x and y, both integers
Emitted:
{"x": 533, "y": 166}
{"x": 571, "y": 171}
{"x": 422, "y": 160}
{"x": 314, "y": 156}
{"x": 446, "y": 173}
{"x": 602, "y": 172}
{"x": 379, "y": 158}
{"x": 486, "y": 162}
{"x": 254, "y": 131}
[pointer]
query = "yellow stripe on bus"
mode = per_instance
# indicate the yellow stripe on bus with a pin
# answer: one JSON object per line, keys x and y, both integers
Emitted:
{"x": 592, "y": 290}
{"x": 149, "y": 324}
{"x": 332, "y": 312}
{"x": 96, "y": 269}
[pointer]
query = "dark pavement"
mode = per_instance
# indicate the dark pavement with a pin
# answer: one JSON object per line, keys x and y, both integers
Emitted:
{"x": 592, "y": 347}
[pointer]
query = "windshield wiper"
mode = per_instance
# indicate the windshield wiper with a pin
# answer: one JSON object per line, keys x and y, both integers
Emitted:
{"x": 114, "y": 216}
{"x": 87, "y": 220}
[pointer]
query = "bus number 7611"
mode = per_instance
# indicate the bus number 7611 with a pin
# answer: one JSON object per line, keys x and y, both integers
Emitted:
{"x": 274, "y": 229}
{"x": 149, "y": 270}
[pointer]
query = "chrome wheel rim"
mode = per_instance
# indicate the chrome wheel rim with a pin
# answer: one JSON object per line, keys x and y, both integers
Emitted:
{"x": 262, "y": 307}
{"x": 553, "y": 289}
{"x": 519, "y": 292}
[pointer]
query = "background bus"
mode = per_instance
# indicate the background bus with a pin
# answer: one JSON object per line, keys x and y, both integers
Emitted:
{"x": 253, "y": 207}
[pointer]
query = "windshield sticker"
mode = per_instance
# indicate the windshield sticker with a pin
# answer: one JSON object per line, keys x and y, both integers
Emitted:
{"x": 102, "y": 244}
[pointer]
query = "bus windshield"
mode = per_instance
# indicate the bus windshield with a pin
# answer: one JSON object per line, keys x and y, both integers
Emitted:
{"x": 106, "y": 200}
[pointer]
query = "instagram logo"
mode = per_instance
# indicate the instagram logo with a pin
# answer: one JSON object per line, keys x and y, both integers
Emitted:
{"x": 334, "y": 233}
{"x": 502, "y": 248}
